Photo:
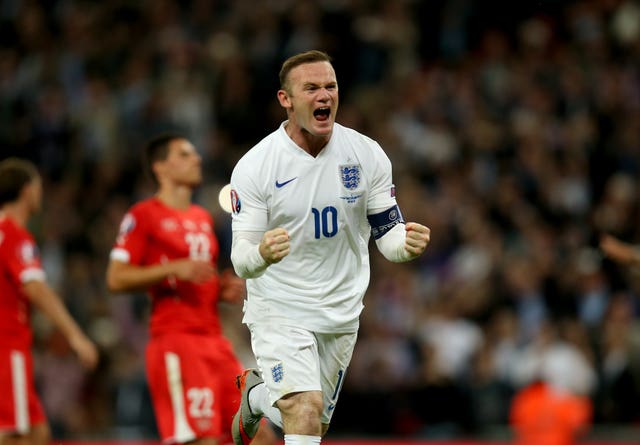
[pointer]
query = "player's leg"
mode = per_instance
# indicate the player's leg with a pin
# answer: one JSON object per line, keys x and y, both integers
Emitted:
{"x": 22, "y": 419}
{"x": 288, "y": 358}
{"x": 225, "y": 369}
{"x": 301, "y": 413}
{"x": 183, "y": 399}
{"x": 40, "y": 434}
{"x": 335, "y": 351}
{"x": 248, "y": 424}
{"x": 204, "y": 441}
{"x": 13, "y": 439}
{"x": 253, "y": 408}
{"x": 265, "y": 434}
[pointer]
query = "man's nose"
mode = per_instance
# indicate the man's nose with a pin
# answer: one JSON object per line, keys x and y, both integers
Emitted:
{"x": 324, "y": 94}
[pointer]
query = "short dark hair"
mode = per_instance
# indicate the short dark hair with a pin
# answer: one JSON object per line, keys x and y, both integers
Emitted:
{"x": 15, "y": 174}
{"x": 157, "y": 149}
{"x": 300, "y": 59}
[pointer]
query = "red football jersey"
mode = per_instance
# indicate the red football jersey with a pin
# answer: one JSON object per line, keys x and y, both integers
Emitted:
{"x": 153, "y": 233}
{"x": 19, "y": 263}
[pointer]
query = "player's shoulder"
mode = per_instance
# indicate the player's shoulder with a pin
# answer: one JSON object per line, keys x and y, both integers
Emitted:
{"x": 6, "y": 224}
{"x": 149, "y": 209}
{"x": 256, "y": 155}
{"x": 146, "y": 204}
{"x": 12, "y": 230}
{"x": 199, "y": 211}
{"x": 355, "y": 137}
{"x": 365, "y": 148}
{"x": 254, "y": 166}
{"x": 16, "y": 240}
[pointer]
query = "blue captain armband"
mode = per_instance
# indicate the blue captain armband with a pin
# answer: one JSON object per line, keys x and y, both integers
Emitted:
{"x": 384, "y": 221}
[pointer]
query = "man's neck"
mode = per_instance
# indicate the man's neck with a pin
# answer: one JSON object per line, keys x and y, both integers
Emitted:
{"x": 178, "y": 197}
{"x": 305, "y": 140}
{"x": 16, "y": 211}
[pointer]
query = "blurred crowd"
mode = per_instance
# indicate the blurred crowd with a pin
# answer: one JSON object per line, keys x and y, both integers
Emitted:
{"x": 514, "y": 136}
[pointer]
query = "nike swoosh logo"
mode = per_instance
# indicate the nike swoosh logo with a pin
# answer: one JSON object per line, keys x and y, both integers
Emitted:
{"x": 282, "y": 184}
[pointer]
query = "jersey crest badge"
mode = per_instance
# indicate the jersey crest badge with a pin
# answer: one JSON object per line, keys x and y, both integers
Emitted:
{"x": 350, "y": 176}
{"x": 169, "y": 225}
{"x": 277, "y": 372}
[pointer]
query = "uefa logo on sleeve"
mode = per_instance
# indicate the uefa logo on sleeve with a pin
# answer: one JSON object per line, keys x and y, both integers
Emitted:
{"x": 235, "y": 202}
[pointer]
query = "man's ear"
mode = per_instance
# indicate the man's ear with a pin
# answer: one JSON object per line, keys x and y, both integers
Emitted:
{"x": 284, "y": 99}
{"x": 158, "y": 167}
{"x": 28, "y": 189}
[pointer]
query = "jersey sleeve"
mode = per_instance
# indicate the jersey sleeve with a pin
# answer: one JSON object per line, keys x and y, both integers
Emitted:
{"x": 249, "y": 208}
{"x": 132, "y": 238}
{"x": 382, "y": 195}
{"x": 24, "y": 261}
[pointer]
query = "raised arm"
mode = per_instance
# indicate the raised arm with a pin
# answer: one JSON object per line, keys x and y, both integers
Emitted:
{"x": 620, "y": 251}
{"x": 253, "y": 252}
{"x": 404, "y": 242}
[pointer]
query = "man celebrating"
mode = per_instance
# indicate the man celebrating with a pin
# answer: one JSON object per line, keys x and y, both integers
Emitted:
{"x": 305, "y": 201}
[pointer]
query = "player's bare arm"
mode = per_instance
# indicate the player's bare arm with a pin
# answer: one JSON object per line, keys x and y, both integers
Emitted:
{"x": 123, "y": 277}
{"x": 274, "y": 245}
{"x": 196, "y": 271}
{"x": 417, "y": 238}
{"x": 619, "y": 251}
{"x": 46, "y": 300}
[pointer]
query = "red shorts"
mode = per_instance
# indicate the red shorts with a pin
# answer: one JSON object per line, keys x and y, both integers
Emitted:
{"x": 20, "y": 407}
{"x": 192, "y": 383}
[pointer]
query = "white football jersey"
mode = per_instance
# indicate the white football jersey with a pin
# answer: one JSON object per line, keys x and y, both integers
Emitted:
{"x": 323, "y": 203}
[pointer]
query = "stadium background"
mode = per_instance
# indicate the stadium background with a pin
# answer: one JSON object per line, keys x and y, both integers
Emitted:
{"x": 513, "y": 129}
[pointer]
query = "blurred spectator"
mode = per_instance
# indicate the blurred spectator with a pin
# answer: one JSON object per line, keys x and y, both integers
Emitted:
{"x": 552, "y": 404}
{"x": 620, "y": 346}
{"x": 542, "y": 414}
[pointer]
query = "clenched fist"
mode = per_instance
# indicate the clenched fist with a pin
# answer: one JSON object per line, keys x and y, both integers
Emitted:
{"x": 416, "y": 239}
{"x": 274, "y": 245}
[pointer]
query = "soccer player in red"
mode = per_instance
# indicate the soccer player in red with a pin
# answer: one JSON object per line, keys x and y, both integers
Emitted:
{"x": 23, "y": 284}
{"x": 167, "y": 246}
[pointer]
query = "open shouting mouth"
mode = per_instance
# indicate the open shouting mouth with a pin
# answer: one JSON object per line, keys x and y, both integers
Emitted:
{"x": 322, "y": 113}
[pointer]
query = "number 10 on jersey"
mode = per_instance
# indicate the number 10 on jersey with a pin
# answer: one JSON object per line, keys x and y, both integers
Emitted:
{"x": 325, "y": 221}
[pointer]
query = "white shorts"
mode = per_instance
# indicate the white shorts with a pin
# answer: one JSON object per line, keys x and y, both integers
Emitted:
{"x": 293, "y": 359}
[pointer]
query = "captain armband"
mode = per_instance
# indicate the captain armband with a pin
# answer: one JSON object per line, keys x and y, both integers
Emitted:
{"x": 388, "y": 230}
{"x": 384, "y": 221}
